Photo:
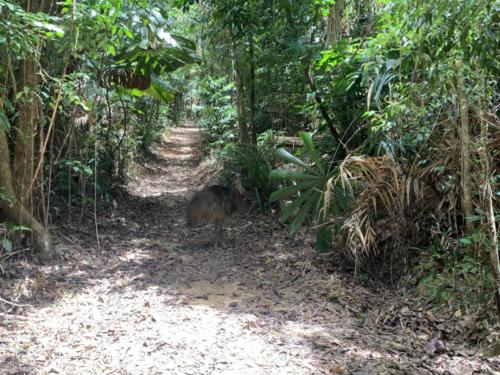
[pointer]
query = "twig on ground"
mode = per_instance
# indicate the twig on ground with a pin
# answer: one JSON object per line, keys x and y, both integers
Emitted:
{"x": 125, "y": 355}
{"x": 18, "y": 317}
{"x": 15, "y": 304}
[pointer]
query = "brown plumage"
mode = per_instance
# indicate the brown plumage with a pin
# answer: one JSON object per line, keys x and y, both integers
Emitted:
{"x": 213, "y": 205}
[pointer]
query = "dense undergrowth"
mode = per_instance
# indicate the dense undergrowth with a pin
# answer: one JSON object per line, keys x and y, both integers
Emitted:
{"x": 372, "y": 123}
{"x": 406, "y": 181}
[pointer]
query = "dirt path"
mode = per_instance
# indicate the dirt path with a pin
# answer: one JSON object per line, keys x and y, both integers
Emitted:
{"x": 158, "y": 300}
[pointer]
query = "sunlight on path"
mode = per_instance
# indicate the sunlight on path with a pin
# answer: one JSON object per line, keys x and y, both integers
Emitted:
{"x": 175, "y": 168}
{"x": 145, "y": 334}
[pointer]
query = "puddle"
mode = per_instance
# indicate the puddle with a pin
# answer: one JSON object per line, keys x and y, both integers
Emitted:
{"x": 212, "y": 294}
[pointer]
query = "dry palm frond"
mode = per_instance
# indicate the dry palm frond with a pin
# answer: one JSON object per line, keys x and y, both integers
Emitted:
{"x": 360, "y": 232}
{"x": 82, "y": 120}
{"x": 385, "y": 191}
{"x": 328, "y": 194}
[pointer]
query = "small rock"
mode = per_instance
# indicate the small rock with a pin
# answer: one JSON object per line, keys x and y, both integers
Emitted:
{"x": 436, "y": 346}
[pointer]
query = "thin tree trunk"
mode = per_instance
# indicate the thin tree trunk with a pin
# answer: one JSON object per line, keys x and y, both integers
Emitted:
{"x": 240, "y": 96}
{"x": 252, "y": 88}
{"x": 319, "y": 100}
{"x": 494, "y": 259}
{"x": 465, "y": 155}
{"x": 323, "y": 110}
{"x": 27, "y": 121}
{"x": 490, "y": 210}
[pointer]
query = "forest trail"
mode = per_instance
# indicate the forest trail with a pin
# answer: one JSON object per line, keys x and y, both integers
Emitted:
{"x": 157, "y": 299}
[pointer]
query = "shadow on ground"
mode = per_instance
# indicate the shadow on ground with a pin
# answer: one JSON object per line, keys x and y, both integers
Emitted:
{"x": 157, "y": 298}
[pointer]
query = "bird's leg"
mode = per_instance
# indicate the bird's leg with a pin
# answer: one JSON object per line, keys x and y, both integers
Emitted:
{"x": 218, "y": 232}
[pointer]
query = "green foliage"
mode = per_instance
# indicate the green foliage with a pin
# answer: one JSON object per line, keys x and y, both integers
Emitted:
{"x": 218, "y": 114}
{"x": 69, "y": 175}
{"x": 255, "y": 163}
{"x": 390, "y": 88}
{"x": 112, "y": 125}
{"x": 452, "y": 278}
{"x": 388, "y": 82}
{"x": 9, "y": 235}
{"x": 314, "y": 188}
{"x": 150, "y": 125}
{"x": 395, "y": 88}
{"x": 134, "y": 35}
{"x": 7, "y": 245}
{"x": 14, "y": 23}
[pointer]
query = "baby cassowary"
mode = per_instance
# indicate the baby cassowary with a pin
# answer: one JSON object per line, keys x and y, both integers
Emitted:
{"x": 213, "y": 205}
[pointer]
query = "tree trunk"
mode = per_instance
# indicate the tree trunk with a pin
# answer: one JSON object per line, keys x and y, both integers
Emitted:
{"x": 16, "y": 176}
{"x": 25, "y": 128}
{"x": 489, "y": 210}
{"x": 307, "y": 60}
{"x": 494, "y": 259}
{"x": 465, "y": 157}
{"x": 240, "y": 96}
{"x": 324, "y": 111}
{"x": 334, "y": 24}
{"x": 14, "y": 209}
{"x": 252, "y": 88}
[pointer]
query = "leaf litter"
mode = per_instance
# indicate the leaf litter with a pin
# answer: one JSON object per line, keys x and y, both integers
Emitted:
{"x": 157, "y": 298}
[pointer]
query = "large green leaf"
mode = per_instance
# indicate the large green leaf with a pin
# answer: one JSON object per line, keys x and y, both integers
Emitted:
{"x": 324, "y": 239}
{"x": 289, "y": 190}
{"x": 304, "y": 211}
{"x": 292, "y": 207}
{"x": 184, "y": 42}
{"x": 287, "y": 174}
{"x": 311, "y": 149}
{"x": 4, "y": 121}
{"x": 161, "y": 92}
{"x": 287, "y": 156}
{"x": 310, "y": 186}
